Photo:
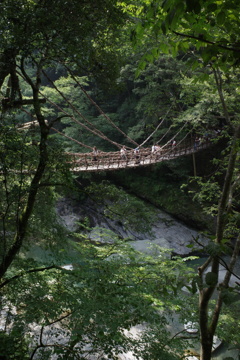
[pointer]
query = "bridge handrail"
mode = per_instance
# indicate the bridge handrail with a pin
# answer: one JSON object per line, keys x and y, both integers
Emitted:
{"x": 145, "y": 155}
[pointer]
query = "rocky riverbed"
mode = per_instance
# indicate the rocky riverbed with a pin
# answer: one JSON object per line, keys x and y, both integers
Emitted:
{"x": 166, "y": 231}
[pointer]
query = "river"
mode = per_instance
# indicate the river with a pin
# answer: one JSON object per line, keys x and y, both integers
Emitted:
{"x": 166, "y": 232}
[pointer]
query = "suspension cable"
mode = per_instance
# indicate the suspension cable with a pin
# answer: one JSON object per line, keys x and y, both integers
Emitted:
{"x": 164, "y": 135}
{"x": 95, "y": 131}
{"x": 60, "y": 132}
{"x": 98, "y": 107}
{"x": 81, "y": 124}
{"x": 158, "y": 126}
{"x": 144, "y": 142}
{"x": 70, "y": 138}
{"x": 175, "y": 135}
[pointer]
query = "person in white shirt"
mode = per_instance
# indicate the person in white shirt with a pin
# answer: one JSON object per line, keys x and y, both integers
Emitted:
{"x": 123, "y": 153}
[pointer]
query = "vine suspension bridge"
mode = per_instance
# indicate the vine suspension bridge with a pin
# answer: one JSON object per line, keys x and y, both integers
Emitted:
{"x": 95, "y": 160}
{"x": 105, "y": 161}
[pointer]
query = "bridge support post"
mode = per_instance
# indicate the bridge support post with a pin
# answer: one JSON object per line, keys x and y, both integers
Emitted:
{"x": 194, "y": 165}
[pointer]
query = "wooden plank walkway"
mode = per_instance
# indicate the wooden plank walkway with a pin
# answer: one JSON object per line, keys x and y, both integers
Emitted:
{"x": 106, "y": 161}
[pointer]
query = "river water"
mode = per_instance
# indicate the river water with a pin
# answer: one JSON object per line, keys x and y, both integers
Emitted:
{"x": 166, "y": 232}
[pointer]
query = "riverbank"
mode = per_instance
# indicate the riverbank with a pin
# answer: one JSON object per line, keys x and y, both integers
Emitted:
{"x": 166, "y": 231}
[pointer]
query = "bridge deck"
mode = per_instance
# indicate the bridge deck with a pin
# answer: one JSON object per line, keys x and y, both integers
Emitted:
{"x": 106, "y": 161}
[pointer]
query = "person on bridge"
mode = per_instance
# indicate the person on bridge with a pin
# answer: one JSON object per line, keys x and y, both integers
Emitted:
{"x": 137, "y": 155}
{"x": 123, "y": 153}
{"x": 154, "y": 148}
{"x": 196, "y": 142}
{"x": 95, "y": 153}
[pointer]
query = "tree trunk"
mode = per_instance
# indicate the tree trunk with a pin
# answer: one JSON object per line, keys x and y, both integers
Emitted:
{"x": 23, "y": 219}
{"x": 7, "y": 61}
{"x": 206, "y": 347}
{"x": 208, "y": 324}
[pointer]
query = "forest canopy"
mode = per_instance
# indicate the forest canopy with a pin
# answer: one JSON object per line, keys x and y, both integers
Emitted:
{"x": 75, "y": 75}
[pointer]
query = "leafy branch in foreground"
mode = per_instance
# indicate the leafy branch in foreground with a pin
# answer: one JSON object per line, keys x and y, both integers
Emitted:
{"x": 109, "y": 290}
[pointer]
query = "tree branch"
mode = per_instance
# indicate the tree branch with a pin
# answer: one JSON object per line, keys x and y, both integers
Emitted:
{"x": 29, "y": 272}
{"x": 200, "y": 38}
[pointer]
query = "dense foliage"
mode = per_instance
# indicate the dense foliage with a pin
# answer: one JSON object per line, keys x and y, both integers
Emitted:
{"x": 107, "y": 74}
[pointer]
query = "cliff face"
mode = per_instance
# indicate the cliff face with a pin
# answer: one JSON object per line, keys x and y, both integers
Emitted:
{"x": 166, "y": 231}
{"x": 189, "y": 212}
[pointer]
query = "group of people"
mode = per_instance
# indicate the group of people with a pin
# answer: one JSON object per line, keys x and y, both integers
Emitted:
{"x": 136, "y": 152}
{"x": 123, "y": 152}
{"x": 155, "y": 150}
{"x": 207, "y": 136}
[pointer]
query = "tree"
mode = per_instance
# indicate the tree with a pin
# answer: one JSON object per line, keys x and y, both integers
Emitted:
{"x": 37, "y": 35}
{"x": 32, "y": 166}
{"x": 89, "y": 309}
{"x": 154, "y": 98}
{"x": 209, "y": 27}
{"x": 209, "y": 31}
{"x": 31, "y": 41}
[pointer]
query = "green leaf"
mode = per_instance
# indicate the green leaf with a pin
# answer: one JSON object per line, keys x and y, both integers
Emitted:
{"x": 164, "y": 48}
{"x": 163, "y": 27}
{"x": 212, "y": 7}
{"x": 193, "y": 6}
{"x": 213, "y": 249}
{"x": 207, "y": 56}
{"x": 195, "y": 65}
{"x": 229, "y": 297}
{"x": 194, "y": 286}
{"x": 167, "y": 4}
{"x": 170, "y": 17}
{"x": 211, "y": 279}
{"x": 221, "y": 18}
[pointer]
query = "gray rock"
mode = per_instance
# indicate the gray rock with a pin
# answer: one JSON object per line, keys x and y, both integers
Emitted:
{"x": 166, "y": 231}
